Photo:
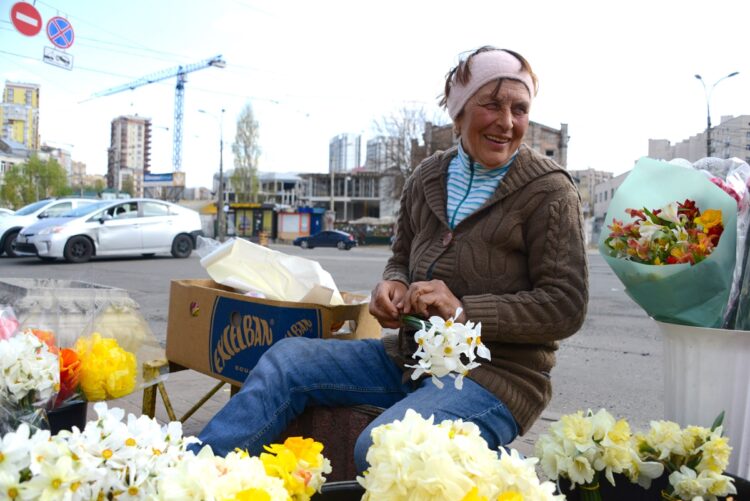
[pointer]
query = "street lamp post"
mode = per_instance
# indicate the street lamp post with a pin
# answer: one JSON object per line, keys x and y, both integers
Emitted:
{"x": 707, "y": 91}
{"x": 220, "y": 215}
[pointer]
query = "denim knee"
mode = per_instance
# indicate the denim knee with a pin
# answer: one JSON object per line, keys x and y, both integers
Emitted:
{"x": 364, "y": 441}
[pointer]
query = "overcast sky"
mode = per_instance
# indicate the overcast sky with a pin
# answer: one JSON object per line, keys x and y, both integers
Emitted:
{"x": 618, "y": 73}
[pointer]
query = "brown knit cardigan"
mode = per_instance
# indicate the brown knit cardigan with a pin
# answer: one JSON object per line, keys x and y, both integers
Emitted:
{"x": 518, "y": 264}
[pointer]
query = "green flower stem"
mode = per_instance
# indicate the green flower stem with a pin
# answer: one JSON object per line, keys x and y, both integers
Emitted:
{"x": 590, "y": 492}
{"x": 414, "y": 322}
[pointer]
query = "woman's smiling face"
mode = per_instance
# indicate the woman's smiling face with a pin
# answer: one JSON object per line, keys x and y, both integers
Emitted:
{"x": 492, "y": 125}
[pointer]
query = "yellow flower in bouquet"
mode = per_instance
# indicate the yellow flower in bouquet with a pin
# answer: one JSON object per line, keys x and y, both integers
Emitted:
{"x": 299, "y": 462}
{"x": 107, "y": 371}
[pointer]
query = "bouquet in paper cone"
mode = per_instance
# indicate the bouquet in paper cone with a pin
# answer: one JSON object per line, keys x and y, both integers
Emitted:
{"x": 676, "y": 254}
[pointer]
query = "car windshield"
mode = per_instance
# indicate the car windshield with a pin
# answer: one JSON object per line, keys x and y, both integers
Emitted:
{"x": 85, "y": 209}
{"x": 31, "y": 208}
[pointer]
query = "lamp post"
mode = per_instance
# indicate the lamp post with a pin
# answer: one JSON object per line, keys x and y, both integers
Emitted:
{"x": 220, "y": 216}
{"x": 707, "y": 91}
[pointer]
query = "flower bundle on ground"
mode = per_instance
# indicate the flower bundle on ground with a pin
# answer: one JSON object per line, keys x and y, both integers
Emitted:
{"x": 677, "y": 233}
{"x": 417, "y": 459}
{"x": 694, "y": 456}
{"x": 133, "y": 459}
{"x": 581, "y": 447}
{"x": 446, "y": 347}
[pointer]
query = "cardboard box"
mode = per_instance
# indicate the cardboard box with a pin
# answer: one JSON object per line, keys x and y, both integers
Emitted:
{"x": 216, "y": 331}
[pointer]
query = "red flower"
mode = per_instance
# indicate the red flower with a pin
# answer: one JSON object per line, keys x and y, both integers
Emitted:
{"x": 70, "y": 367}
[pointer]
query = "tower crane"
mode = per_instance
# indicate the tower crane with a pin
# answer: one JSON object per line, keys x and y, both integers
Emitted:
{"x": 180, "y": 72}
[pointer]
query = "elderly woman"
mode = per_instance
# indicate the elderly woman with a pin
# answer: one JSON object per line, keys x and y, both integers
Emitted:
{"x": 488, "y": 226}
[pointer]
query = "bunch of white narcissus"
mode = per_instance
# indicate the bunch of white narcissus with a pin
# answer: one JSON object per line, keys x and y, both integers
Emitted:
{"x": 447, "y": 347}
{"x": 579, "y": 446}
{"x": 139, "y": 459}
{"x": 416, "y": 459}
{"x": 695, "y": 456}
{"x": 29, "y": 372}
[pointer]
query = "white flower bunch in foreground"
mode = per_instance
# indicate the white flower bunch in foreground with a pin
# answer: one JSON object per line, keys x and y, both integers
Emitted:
{"x": 578, "y": 447}
{"x": 137, "y": 459}
{"x": 416, "y": 459}
{"x": 29, "y": 372}
{"x": 447, "y": 347}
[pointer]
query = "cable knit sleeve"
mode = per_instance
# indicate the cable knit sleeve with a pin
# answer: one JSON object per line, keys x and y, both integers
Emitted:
{"x": 554, "y": 306}
{"x": 397, "y": 267}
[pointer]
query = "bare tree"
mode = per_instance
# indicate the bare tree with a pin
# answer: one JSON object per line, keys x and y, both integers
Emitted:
{"x": 246, "y": 149}
{"x": 400, "y": 135}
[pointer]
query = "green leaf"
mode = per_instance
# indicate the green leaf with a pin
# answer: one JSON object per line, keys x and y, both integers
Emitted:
{"x": 718, "y": 421}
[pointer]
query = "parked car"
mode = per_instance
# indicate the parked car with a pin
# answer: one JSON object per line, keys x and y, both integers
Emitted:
{"x": 327, "y": 238}
{"x": 43, "y": 209}
{"x": 137, "y": 226}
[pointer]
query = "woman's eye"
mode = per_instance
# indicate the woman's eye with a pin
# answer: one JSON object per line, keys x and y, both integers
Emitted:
{"x": 492, "y": 106}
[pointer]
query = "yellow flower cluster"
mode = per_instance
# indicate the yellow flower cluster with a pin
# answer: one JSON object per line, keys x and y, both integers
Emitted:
{"x": 107, "y": 371}
{"x": 299, "y": 462}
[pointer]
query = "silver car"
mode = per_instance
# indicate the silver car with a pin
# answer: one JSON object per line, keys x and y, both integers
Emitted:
{"x": 136, "y": 226}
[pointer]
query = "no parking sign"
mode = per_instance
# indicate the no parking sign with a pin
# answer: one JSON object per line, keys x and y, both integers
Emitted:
{"x": 60, "y": 32}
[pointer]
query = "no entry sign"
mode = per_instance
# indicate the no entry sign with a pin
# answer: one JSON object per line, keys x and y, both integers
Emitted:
{"x": 26, "y": 18}
{"x": 60, "y": 32}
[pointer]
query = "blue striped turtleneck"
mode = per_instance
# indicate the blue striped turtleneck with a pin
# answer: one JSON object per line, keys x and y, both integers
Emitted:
{"x": 470, "y": 185}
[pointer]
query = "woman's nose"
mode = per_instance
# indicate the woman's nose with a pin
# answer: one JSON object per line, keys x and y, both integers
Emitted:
{"x": 504, "y": 119}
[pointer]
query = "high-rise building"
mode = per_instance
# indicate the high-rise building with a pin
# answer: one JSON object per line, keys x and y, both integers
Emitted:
{"x": 19, "y": 114}
{"x": 344, "y": 152}
{"x": 129, "y": 154}
{"x": 383, "y": 153}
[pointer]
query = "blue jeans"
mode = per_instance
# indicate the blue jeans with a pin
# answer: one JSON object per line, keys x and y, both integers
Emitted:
{"x": 297, "y": 372}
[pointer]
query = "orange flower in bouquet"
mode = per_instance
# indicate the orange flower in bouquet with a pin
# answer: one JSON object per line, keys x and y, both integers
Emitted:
{"x": 677, "y": 233}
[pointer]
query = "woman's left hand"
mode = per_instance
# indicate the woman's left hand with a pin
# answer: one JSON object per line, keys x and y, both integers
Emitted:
{"x": 432, "y": 298}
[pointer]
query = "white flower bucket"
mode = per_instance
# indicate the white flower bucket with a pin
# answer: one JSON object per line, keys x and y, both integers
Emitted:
{"x": 707, "y": 371}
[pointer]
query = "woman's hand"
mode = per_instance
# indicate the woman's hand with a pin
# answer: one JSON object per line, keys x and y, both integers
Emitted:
{"x": 386, "y": 301}
{"x": 432, "y": 298}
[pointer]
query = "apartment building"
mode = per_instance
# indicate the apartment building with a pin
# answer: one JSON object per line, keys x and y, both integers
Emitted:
{"x": 129, "y": 153}
{"x": 19, "y": 114}
{"x": 729, "y": 139}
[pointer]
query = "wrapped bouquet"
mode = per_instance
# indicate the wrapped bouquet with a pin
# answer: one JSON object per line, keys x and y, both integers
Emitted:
{"x": 671, "y": 239}
{"x": 40, "y": 374}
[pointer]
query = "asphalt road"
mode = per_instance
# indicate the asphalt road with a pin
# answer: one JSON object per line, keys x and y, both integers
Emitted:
{"x": 613, "y": 362}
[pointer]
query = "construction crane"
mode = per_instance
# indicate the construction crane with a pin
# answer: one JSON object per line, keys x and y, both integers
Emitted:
{"x": 179, "y": 97}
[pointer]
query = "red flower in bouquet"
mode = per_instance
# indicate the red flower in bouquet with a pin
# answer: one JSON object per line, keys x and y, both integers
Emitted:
{"x": 70, "y": 370}
{"x": 677, "y": 233}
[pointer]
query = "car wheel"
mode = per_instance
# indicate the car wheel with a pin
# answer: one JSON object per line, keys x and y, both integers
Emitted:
{"x": 10, "y": 242}
{"x": 341, "y": 245}
{"x": 304, "y": 244}
{"x": 78, "y": 250}
{"x": 182, "y": 246}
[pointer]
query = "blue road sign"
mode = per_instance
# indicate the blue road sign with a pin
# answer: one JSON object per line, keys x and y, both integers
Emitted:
{"x": 60, "y": 32}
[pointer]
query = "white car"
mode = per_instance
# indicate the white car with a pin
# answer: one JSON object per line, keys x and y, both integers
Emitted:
{"x": 12, "y": 224}
{"x": 6, "y": 212}
{"x": 136, "y": 226}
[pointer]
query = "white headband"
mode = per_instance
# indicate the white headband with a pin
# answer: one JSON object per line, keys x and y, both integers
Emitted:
{"x": 485, "y": 67}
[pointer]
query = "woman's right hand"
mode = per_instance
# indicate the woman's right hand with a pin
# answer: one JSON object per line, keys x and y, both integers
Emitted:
{"x": 384, "y": 300}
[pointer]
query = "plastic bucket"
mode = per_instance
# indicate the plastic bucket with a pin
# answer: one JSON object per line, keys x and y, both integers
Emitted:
{"x": 707, "y": 371}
